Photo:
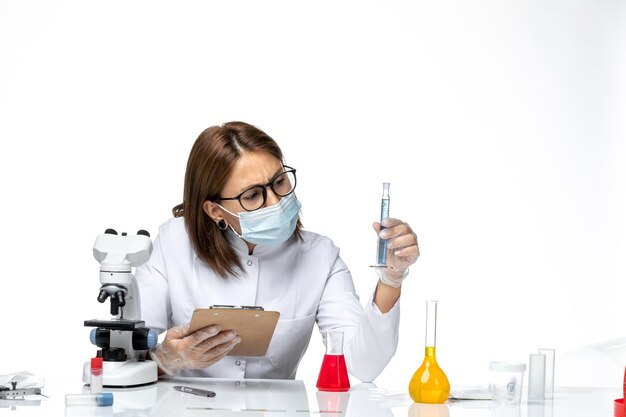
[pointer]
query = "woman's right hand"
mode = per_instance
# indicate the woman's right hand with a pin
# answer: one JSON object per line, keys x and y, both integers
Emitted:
{"x": 202, "y": 348}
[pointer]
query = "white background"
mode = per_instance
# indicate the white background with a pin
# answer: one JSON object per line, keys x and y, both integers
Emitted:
{"x": 500, "y": 125}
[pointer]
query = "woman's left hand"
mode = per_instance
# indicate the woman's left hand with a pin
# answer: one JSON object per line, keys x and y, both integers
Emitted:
{"x": 402, "y": 248}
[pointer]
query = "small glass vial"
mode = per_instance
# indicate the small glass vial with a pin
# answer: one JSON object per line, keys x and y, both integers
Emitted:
{"x": 104, "y": 399}
{"x": 95, "y": 382}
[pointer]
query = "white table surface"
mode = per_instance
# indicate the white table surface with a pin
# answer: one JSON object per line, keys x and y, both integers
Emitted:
{"x": 286, "y": 398}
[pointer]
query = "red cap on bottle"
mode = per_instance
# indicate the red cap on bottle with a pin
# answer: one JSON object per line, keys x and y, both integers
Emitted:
{"x": 96, "y": 363}
{"x": 618, "y": 408}
{"x": 618, "y": 405}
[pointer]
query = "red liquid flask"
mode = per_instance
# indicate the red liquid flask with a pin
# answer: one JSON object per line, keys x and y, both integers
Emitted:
{"x": 334, "y": 373}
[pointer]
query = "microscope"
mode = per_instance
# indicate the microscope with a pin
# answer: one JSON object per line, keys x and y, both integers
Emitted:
{"x": 123, "y": 340}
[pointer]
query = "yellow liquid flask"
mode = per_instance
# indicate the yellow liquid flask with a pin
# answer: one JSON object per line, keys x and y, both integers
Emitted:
{"x": 429, "y": 383}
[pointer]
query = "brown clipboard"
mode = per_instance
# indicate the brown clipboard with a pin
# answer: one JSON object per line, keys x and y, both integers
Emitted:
{"x": 253, "y": 325}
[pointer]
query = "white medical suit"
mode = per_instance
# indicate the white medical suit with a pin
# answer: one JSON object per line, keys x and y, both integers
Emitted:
{"x": 306, "y": 281}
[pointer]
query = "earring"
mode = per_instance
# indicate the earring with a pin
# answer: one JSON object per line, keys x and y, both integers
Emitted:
{"x": 222, "y": 225}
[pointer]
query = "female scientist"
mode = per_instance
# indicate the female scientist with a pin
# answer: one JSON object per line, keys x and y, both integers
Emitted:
{"x": 237, "y": 240}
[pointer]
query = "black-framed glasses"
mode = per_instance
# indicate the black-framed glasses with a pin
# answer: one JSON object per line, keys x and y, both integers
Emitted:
{"x": 254, "y": 198}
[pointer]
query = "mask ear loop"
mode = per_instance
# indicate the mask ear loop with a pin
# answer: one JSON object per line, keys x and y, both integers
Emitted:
{"x": 235, "y": 232}
{"x": 228, "y": 211}
{"x": 223, "y": 224}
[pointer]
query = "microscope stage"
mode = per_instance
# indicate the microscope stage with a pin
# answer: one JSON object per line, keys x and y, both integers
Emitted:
{"x": 115, "y": 324}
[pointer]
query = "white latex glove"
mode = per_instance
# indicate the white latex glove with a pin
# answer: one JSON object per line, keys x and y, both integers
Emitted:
{"x": 181, "y": 350}
{"x": 402, "y": 251}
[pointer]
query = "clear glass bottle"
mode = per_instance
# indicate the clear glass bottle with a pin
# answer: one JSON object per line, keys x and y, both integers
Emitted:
{"x": 95, "y": 383}
{"x": 429, "y": 383}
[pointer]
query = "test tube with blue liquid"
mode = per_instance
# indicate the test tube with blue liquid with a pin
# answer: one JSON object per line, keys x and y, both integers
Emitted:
{"x": 102, "y": 399}
{"x": 384, "y": 213}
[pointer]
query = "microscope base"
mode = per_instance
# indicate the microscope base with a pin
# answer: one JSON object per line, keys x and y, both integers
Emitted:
{"x": 124, "y": 374}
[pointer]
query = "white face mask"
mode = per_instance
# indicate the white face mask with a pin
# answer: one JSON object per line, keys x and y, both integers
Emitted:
{"x": 271, "y": 225}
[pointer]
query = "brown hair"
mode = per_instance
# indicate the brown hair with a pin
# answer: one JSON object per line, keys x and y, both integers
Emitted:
{"x": 209, "y": 166}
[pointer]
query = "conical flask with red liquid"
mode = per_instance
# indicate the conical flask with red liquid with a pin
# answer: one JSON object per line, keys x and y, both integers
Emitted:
{"x": 334, "y": 373}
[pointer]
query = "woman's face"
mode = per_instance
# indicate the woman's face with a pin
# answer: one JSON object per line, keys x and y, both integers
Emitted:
{"x": 253, "y": 168}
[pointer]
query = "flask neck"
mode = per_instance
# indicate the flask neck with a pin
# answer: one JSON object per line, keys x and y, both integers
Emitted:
{"x": 430, "y": 357}
{"x": 334, "y": 342}
{"x": 429, "y": 352}
{"x": 431, "y": 324}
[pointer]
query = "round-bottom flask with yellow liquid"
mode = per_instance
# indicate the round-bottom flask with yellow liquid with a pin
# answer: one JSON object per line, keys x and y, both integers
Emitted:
{"x": 429, "y": 383}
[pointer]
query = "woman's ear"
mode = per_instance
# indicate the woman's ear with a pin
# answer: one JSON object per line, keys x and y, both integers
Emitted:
{"x": 212, "y": 210}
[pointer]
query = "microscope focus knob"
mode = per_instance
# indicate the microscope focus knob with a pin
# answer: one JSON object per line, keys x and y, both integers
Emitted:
{"x": 110, "y": 232}
{"x": 114, "y": 354}
{"x": 144, "y": 339}
{"x": 92, "y": 337}
{"x": 143, "y": 232}
{"x": 100, "y": 337}
{"x": 153, "y": 339}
